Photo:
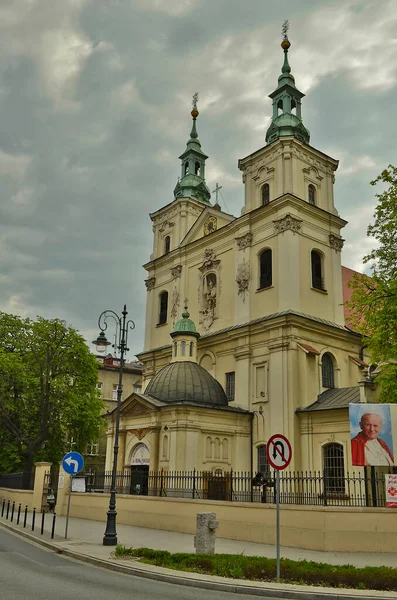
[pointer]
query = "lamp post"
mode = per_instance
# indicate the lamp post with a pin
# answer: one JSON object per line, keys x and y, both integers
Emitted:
{"x": 122, "y": 327}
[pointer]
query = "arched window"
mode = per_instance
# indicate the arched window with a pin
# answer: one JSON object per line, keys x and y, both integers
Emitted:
{"x": 175, "y": 349}
{"x": 183, "y": 348}
{"x": 191, "y": 349}
{"x": 334, "y": 468}
{"x": 186, "y": 168}
{"x": 279, "y": 106}
{"x": 317, "y": 271}
{"x": 265, "y": 269}
{"x": 163, "y": 307}
{"x": 312, "y": 194}
{"x": 197, "y": 168}
{"x": 167, "y": 244}
{"x": 263, "y": 463}
{"x": 327, "y": 371}
{"x": 217, "y": 448}
{"x": 266, "y": 194}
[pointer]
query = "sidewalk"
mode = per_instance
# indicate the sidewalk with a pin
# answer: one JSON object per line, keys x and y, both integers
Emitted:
{"x": 85, "y": 537}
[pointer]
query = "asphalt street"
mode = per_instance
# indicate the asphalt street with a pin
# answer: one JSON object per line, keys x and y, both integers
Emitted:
{"x": 28, "y": 572}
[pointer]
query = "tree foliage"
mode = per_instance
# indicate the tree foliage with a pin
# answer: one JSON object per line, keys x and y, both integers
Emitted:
{"x": 48, "y": 392}
{"x": 374, "y": 299}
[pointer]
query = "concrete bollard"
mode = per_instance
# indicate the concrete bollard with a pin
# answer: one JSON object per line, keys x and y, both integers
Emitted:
{"x": 204, "y": 540}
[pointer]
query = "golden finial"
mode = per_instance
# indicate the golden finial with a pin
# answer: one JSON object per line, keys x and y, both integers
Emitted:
{"x": 195, "y": 112}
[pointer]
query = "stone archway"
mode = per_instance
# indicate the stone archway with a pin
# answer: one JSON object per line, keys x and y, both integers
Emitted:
{"x": 140, "y": 460}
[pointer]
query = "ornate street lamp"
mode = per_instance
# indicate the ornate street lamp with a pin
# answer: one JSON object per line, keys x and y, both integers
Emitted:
{"x": 101, "y": 343}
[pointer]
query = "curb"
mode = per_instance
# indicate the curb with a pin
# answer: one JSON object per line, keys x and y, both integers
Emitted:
{"x": 180, "y": 578}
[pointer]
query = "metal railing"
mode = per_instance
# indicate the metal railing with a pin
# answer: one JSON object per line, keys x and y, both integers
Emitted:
{"x": 17, "y": 481}
{"x": 311, "y": 488}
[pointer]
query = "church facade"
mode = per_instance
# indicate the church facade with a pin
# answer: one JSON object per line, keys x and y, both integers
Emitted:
{"x": 264, "y": 324}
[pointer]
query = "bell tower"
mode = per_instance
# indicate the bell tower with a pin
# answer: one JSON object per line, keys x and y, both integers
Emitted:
{"x": 191, "y": 195}
{"x": 291, "y": 183}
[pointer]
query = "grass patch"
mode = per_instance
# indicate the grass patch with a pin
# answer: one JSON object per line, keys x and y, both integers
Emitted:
{"x": 259, "y": 568}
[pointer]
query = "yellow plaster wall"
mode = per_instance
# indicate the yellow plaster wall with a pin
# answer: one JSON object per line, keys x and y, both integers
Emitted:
{"x": 23, "y": 497}
{"x": 329, "y": 529}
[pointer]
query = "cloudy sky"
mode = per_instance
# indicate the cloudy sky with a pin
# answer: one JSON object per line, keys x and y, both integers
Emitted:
{"x": 95, "y": 98}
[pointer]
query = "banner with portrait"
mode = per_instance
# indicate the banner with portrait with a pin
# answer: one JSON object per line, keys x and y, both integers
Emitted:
{"x": 372, "y": 430}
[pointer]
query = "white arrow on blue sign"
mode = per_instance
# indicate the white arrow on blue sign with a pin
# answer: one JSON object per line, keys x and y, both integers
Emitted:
{"x": 72, "y": 463}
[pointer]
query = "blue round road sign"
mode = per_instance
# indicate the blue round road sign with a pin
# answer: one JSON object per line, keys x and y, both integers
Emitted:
{"x": 72, "y": 463}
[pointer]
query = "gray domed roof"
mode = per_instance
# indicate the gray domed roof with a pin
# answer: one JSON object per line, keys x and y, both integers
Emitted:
{"x": 186, "y": 382}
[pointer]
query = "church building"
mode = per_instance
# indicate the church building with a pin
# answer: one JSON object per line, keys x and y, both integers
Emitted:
{"x": 245, "y": 327}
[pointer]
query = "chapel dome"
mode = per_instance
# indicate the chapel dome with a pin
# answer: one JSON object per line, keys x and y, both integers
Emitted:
{"x": 186, "y": 382}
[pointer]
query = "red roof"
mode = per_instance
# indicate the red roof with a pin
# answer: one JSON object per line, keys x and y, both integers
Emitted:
{"x": 347, "y": 275}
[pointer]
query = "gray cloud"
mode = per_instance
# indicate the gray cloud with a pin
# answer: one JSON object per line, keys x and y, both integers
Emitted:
{"x": 95, "y": 101}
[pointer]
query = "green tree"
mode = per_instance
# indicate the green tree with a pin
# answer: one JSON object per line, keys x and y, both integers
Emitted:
{"x": 48, "y": 391}
{"x": 374, "y": 299}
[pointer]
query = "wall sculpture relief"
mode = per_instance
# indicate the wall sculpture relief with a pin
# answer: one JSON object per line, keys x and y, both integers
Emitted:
{"x": 174, "y": 304}
{"x": 209, "y": 288}
{"x": 243, "y": 278}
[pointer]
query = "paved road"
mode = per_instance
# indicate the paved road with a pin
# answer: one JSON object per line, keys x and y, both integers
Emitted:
{"x": 27, "y": 572}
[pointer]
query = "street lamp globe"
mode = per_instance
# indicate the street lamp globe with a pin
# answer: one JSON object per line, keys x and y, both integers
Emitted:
{"x": 101, "y": 342}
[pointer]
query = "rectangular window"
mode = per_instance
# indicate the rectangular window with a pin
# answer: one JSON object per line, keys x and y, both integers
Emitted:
{"x": 114, "y": 391}
{"x": 99, "y": 386}
{"x": 137, "y": 389}
{"x": 230, "y": 381}
{"x": 93, "y": 449}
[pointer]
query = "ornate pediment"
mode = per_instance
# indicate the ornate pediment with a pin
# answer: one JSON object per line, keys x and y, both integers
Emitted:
{"x": 244, "y": 241}
{"x": 288, "y": 223}
{"x": 176, "y": 271}
{"x": 336, "y": 242}
{"x": 150, "y": 283}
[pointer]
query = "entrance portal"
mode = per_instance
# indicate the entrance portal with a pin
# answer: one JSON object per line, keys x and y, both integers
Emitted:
{"x": 140, "y": 470}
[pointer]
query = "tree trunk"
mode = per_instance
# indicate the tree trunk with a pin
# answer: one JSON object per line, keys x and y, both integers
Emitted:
{"x": 27, "y": 476}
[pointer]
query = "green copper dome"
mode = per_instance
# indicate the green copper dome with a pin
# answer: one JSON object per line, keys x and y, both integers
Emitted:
{"x": 287, "y": 99}
{"x": 192, "y": 181}
{"x": 185, "y": 325}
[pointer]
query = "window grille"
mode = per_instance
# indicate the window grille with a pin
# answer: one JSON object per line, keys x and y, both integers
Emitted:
{"x": 163, "y": 308}
{"x": 334, "y": 468}
{"x": 265, "y": 267}
{"x": 312, "y": 194}
{"x": 266, "y": 194}
{"x": 230, "y": 385}
{"x": 317, "y": 271}
{"x": 263, "y": 463}
{"x": 327, "y": 371}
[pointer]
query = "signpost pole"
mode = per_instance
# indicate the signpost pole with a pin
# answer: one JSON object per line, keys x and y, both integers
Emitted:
{"x": 279, "y": 454}
{"x": 277, "y": 484}
{"x": 68, "y": 510}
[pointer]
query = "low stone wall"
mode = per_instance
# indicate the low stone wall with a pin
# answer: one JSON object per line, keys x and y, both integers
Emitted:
{"x": 331, "y": 529}
{"x": 23, "y": 497}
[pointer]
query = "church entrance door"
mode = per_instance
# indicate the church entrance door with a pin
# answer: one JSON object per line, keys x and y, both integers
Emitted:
{"x": 140, "y": 460}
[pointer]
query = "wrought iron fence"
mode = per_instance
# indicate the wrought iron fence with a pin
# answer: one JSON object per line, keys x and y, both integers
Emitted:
{"x": 17, "y": 481}
{"x": 311, "y": 488}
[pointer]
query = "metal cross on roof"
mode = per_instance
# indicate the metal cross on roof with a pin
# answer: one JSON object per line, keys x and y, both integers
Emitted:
{"x": 216, "y": 191}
